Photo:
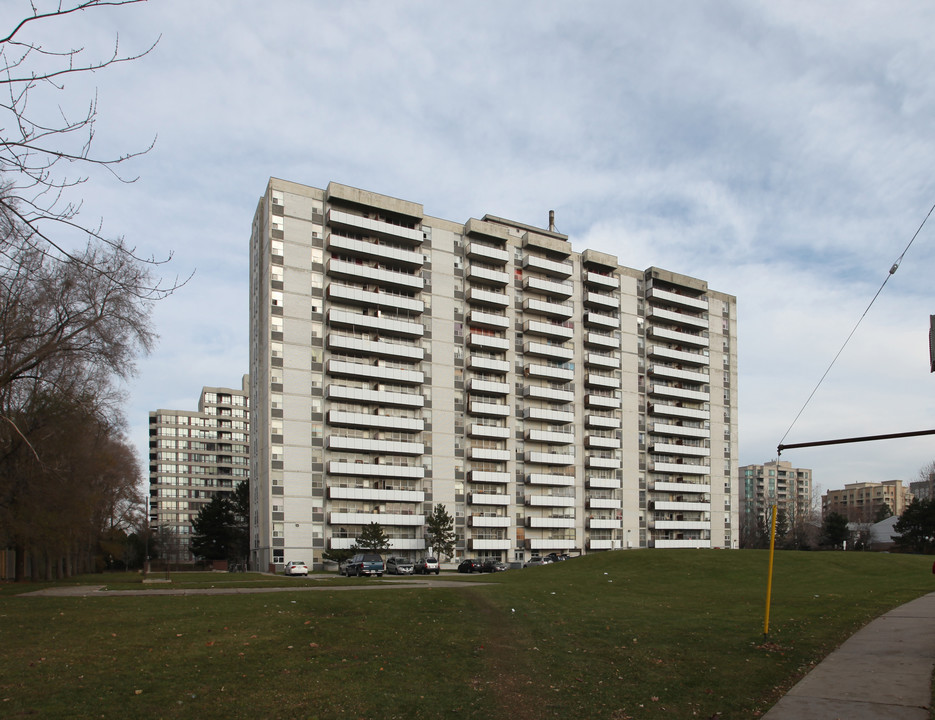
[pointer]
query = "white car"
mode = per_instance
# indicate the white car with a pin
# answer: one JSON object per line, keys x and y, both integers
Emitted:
{"x": 296, "y": 567}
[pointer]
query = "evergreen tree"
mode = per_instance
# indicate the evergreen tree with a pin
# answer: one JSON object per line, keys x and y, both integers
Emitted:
{"x": 440, "y": 526}
{"x": 834, "y": 530}
{"x": 916, "y": 526}
{"x": 373, "y": 538}
{"x": 213, "y": 536}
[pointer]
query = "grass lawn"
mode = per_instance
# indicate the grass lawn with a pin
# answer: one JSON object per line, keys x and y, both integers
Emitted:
{"x": 634, "y": 634}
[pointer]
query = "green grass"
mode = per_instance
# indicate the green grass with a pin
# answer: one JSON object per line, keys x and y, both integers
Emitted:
{"x": 636, "y": 634}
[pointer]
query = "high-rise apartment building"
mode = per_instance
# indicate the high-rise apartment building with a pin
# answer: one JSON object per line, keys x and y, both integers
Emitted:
{"x": 552, "y": 400}
{"x": 861, "y": 501}
{"x": 192, "y": 457}
{"x": 775, "y": 483}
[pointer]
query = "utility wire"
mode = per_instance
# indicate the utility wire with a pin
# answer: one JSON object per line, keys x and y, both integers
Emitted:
{"x": 892, "y": 271}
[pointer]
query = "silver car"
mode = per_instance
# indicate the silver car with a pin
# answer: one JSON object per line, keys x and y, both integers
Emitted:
{"x": 398, "y": 566}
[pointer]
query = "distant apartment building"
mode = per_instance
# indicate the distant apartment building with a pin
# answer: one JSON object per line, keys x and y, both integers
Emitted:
{"x": 774, "y": 483}
{"x": 193, "y": 455}
{"x": 550, "y": 399}
{"x": 923, "y": 489}
{"x": 860, "y": 502}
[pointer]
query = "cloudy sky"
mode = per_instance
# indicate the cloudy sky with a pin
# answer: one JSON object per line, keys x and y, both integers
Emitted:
{"x": 781, "y": 151}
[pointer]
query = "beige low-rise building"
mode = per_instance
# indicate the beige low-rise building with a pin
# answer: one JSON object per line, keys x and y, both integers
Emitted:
{"x": 862, "y": 501}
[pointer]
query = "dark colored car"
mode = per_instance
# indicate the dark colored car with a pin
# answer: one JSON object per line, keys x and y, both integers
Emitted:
{"x": 557, "y": 557}
{"x": 469, "y": 566}
{"x": 364, "y": 564}
{"x": 425, "y": 565}
{"x": 493, "y": 566}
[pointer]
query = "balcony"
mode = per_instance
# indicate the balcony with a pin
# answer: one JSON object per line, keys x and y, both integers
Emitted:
{"x": 547, "y": 287}
{"x": 369, "y": 298}
{"x": 547, "y": 458}
{"x": 688, "y": 358}
{"x": 606, "y": 402}
{"x": 679, "y": 468}
{"x": 550, "y": 309}
{"x": 602, "y": 443}
{"x": 671, "y": 505}
{"x": 556, "y": 352}
{"x": 488, "y": 499}
{"x": 601, "y": 301}
{"x": 373, "y": 397}
{"x": 488, "y": 342}
{"x": 372, "y": 445}
{"x": 492, "y": 432}
{"x": 361, "y": 493}
{"x": 487, "y": 476}
{"x": 488, "y": 409}
{"x": 686, "y": 301}
{"x": 550, "y": 501}
{"x": 382, "y": 422}
{"x": 681, "y": 487}
{"x": 489, "y": 544}
{"x": 336, "y": 543}
{"x": 550, "y": 480}
{"x": 379, "y": 348}
{"x": 671, "y": 544}
{"x": 383, "y": 325}
{"x": 604, "y": 524}
{"x": 476, "y": 295}
{"x": 549, "y": 394}
{"x": 378, "y": 228}
{"x": 556, "y": 417}
{"x": 483, "y": 454}
{"x": 365, "y": 518}
{"x": 549, "y": 372}
{"x": 602, "y": 361}
{"x": 340, "y": 245}
{"x": 602, "y": 421}
{"x": 547, "y": 329}
{"x": 611, "y": 282}
{"x": 593, "y": 319}
{"x": 373, "y": 275}
{"x": 550, "y": 523}
{"x": 595, "y": 544}
{"x": 702, "y": 378}
{"x": 550, "y": 544}
{"x": 604, "y": 341}
{"x": 478, "y": 318}
{"x": 595, "y": 483}
{"x": 662, "y": 448}
{"x": 602, "y": 381}
{"x": 658, "y": 315}
{"x": 486, "y": 364}
{"x": 672, "y": 391}
{"x": 374, "y": 372}
{"x": 676, "y": 411}
{"x": 677, "y": 337}
{"x": 550, "y": 437}
{"x": 486, "y": 253}
{"x": 479, "y": 274}
{"x": 487, "y": 521}
{"x": 604, "y": 503}
{"x": 681, "y": 525}
{"x": 602, "y": 463}
{"x": 476, "y": 386}
{"x": 549, "y": 267}
{"x": 337, "y": 467}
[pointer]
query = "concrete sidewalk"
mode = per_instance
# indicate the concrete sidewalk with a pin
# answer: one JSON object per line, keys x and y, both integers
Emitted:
{"x": 883, "y": 672}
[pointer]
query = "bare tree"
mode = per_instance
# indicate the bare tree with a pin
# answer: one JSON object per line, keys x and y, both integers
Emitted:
{"x": 47, "y": 150}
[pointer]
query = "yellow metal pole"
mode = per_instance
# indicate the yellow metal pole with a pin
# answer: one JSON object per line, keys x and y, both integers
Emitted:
{"x": 769, "y": 583}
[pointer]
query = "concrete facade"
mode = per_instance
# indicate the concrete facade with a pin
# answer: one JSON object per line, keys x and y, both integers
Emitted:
{"x": 860, "y": 502}
{"x": 194, "y": 455}
{"x": 775, "y": 483}
{"x": 552, "y": 400}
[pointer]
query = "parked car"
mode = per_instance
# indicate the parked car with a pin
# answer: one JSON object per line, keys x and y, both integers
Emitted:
{"x": 493, "y": 566}
{"x": 426, "y": 565}
{"x": 296, "y": 567}
{"x": 342, "y": 566}
{"x": 557, "y": 557}
{"x": 469, "y": 566}
{"x": 534, "y": 561}
{"x": 398, "y": 566}
{"x": 364, "y": 564}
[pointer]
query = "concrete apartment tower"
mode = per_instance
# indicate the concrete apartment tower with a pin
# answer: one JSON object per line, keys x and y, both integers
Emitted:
{"x": 194, "y": 455}
{"x": 552, "y": 400}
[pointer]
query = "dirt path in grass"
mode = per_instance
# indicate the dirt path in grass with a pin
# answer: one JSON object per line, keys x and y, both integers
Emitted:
{"x": 504, "y": 649}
